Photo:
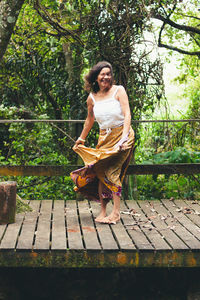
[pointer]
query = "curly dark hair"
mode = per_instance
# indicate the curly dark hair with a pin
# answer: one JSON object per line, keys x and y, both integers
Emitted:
{"x": 90, "y": 79}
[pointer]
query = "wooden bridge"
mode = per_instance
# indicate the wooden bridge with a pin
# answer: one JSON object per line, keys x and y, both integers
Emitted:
{"x": 64, "y": 234}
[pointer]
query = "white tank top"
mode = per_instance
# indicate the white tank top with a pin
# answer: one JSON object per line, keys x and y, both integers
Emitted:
{"x": 108, "y": 112}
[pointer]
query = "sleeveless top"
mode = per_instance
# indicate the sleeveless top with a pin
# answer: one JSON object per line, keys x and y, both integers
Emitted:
{"x": 108, "y": 112}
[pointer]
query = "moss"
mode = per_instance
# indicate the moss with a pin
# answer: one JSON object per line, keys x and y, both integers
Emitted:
{"x": 21, "y": 205}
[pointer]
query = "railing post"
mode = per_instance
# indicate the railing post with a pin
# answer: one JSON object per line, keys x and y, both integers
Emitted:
{"x": 7, "y": 202}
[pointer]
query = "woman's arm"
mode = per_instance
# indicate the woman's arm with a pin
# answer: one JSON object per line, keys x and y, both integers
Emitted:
{"x": 88, "y": 123}
{"x": 123, "y": 98}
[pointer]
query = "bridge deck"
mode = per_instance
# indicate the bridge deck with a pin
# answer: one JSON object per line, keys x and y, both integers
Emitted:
{"x": 63, "y": 234}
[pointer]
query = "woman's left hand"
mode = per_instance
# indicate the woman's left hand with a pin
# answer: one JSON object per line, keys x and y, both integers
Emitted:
{"x": 123, "y": 147}
{"x": 122, "y": 144}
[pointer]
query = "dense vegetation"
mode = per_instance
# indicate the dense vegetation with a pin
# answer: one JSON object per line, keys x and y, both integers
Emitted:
{"x": 53, "y": 45}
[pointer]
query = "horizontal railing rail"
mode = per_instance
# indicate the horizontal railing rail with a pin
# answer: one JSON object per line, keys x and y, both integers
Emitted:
{"x": 82, "y": 121}
{"x": 140, "y": 169}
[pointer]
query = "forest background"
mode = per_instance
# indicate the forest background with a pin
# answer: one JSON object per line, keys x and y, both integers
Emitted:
{"x": 46, "y": 48}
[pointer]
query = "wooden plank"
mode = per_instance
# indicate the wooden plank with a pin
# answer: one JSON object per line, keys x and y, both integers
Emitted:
{"x": 12, "y": 232}
{"x": 99, "y": 259}
{"x": 37, "y": 170}
{"x": 195, "y": 210}
{"x": 74, "y": 237}
{"x": 87, "y": 226}
{"x": 187, "y": 218}
{"x": 149, "y": 228}
{"x": 138, "y": 236}
{"x": 154, "y": 233}
{"x": 2, "y": 231}
{"x": 166, "y": 225}
{"x": 164, "y": 169}
{"x": 42, "y": 239}
{"x": 107, "y": 239}
{"x": 158, "y": 217}
{"x": 194, "y": 204}
{"x": 59, "y": 241}
{"x": 26, "y": 236}
{"x": 140, "y": 169}
{"x": 183, "y": 232}
{"x": 173, "y": 223}
{"x": 124, "y": 240}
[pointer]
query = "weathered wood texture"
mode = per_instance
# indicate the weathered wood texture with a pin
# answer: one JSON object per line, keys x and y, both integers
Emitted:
{"x": 7, "y": 202}
{"x": 64, "y": 234}
{"x": 132, "y": 169}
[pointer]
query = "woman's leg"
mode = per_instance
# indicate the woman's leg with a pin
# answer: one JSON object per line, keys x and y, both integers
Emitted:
{"x": 114, "y": 217}
{"x": 102, "y": 214}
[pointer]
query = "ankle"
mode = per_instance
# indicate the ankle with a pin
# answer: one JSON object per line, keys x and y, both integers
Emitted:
{"x": 116, "y": 213}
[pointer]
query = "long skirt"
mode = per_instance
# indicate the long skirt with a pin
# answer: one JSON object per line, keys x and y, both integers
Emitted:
{"x": 103, "y": 163}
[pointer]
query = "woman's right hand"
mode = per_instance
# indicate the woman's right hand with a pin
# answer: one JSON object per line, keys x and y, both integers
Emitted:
{"x": 78, "y": 142}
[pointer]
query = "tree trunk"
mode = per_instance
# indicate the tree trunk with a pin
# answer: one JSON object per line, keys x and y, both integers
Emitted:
{"x": 9, "y": 11}
{"x": 7, "y": 202}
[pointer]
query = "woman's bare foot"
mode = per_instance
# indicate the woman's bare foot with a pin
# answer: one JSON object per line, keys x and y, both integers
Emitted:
{"x": 113, "y": 218}
{"x": 100, "y": 217}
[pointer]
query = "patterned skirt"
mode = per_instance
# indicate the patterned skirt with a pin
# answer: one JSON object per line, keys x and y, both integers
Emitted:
{"x": 104, "y": 163}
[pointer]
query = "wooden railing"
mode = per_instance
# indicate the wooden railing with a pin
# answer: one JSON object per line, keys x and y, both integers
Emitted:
{"x": 140, "y": 169}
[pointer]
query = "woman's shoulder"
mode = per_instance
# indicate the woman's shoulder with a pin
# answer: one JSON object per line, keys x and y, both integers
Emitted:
{"x": 120, "y": 89}
{"x": 121, "y": 93}
{"x": 117, "y": 87}
{"x": 90, "y": 99}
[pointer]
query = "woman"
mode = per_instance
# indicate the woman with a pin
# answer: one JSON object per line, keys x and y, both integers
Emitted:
{"x": 105, "y": 166}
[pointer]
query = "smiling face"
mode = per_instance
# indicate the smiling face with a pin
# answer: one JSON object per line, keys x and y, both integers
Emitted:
{"x": 104, "y": 79}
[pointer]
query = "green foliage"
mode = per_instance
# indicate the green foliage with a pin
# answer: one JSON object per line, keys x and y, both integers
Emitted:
{"x": 30, "y": 143}
{"x": 165, "y": 143}
{"x": 41, "y": 77}
{"x": 34, "y": 144}
{"x": 166, "y": 187}
{"x": 179, "y": 155}
{"x": 187, "y": 14}
{"x": 22, "y": 206}
{"x": 41, "y": 188}
{"x": 38, "y": 188}
{"x": 53, "y": 45}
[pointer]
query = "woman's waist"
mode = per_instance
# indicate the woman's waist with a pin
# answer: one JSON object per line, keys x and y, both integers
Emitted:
{"x": 113, "y": 130}
{"x": 117, "y": 127}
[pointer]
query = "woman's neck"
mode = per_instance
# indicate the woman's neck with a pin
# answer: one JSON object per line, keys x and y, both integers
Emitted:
{"x": 104, "y": 91}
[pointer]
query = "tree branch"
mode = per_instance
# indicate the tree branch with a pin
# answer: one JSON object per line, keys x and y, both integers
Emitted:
{"x": 64, "y": 132}
{"x": 192, "y": 17}
{"x": 175, "y": 25}
{"x": 55, "y": 25}
{"x": 169, "y": 22}
{"x": 179, "y": 50}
